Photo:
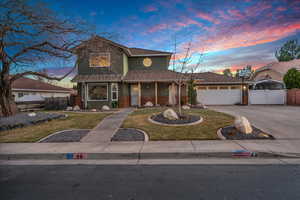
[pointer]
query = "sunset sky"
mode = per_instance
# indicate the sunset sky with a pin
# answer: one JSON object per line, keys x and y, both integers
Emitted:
{"x": 232, "y": 33}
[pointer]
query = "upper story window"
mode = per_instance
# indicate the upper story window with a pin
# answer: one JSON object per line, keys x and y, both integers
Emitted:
{"x": 99, "y": 59}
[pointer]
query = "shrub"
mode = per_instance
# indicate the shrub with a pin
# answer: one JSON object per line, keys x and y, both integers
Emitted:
{"x": 292, "y": 78}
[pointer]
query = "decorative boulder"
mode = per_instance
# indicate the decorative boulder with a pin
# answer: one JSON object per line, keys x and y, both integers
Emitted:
{"x": 105, "y": 107}
{"x": 148, "y": 104}
{"x": 69, "y": 108}
{"x": 76, "y": 108}
{"x": 93, "y": 110}
{"x": 170, "y": 114}
{"x": 186, "y": 107}
{"x": 243, "y": 125}
{"x": 201, "y": 105}
{"x": 32, "y": 114}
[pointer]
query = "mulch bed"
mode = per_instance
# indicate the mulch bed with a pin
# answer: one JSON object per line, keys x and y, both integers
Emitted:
{"x": 128, "y": 134}
{"x": 22, "y": 119}
{"x": 66, "y": 136}
{"x": 231, "y": 133}
{"x": 183, "y": 119}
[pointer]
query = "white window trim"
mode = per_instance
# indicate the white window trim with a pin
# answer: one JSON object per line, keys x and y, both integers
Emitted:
{"x": 88, "y": 96}
{"x": 106, "y": 53}
{"x": 111, "y": 88}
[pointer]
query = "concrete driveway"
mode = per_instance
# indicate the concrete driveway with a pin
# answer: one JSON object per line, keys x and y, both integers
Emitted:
{"x": 283, "y": 122}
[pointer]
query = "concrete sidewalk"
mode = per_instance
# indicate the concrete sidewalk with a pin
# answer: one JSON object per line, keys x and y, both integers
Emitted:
{"x": 149, "y": 150}
{"x": 105, "y": 130}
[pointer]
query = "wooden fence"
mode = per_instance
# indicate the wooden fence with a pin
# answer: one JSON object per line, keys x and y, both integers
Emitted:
{"x": 293, "y": 97}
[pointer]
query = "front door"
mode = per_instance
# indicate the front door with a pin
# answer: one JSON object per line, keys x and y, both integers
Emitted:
{"x": 134, "y": 94}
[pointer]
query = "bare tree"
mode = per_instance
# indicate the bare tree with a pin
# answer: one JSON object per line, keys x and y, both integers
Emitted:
{"x": 30, "y": 33}
{"x": 185, "y": 69}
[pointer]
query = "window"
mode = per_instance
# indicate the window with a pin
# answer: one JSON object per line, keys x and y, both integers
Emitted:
{"x": 213, "y": 87}
{"x": 97, "y": 92}
{"x": 223, "y": 87}
{"x": 201, "y": 88}
{"x": 20, "y": 94}
{"x": 114, "y": 92}
{"x": 99, "y": 60}
{"x": 235, "y": 87}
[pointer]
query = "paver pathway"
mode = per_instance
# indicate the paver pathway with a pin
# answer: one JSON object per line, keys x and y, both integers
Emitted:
{"x": 105, "y": 130}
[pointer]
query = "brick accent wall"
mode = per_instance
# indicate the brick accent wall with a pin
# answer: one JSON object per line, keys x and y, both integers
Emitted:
{"x": 293, "y": 97}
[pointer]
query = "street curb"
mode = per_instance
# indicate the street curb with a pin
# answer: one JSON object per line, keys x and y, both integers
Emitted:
{"x": 150, "y": 155}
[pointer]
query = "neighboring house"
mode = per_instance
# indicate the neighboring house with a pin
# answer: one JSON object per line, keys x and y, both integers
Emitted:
{"x": 109, "y": 72}
{"x": 26, "y": 86}
{"x": 275, "y": 70}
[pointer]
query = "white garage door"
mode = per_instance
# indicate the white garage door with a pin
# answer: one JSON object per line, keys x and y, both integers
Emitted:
{"x": 267, "y": 96}
{"x": 219, "y": 97}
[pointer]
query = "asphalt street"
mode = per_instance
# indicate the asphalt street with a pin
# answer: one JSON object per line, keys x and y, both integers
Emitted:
{"x": 132, "y": 182}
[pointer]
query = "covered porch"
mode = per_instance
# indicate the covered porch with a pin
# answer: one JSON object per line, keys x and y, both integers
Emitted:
{"x": 158, "y": 93}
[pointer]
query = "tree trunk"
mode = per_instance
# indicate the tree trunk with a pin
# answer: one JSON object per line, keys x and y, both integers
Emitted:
{"x": 179, "y": 98}
{"x": 8, "y": 106}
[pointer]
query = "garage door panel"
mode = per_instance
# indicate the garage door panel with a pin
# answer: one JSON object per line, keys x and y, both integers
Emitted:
{"x": 219, "y": 97}
{"x": 267, "y": 97}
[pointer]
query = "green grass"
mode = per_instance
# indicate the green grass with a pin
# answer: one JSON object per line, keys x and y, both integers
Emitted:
{"x": 36, "y": 132}
{"x": 207, "y": 130}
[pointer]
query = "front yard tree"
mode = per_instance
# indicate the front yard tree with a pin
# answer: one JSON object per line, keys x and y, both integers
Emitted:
{"x": 227, "y": 72}
{"x": 186, "y": 70}
{"x": 292, "y": 79}
{"x": 31, "y": 34}
{"x": 289, "y": 51}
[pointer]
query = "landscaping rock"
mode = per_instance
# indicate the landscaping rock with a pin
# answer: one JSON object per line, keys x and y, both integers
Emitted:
{"x": 93, "y": 110}
{"x": 149, "y": 104}
{"x": 186, "y": 107}
{"x": 69, "y": 108}
{"x": 32, "y": 114}
{"x": 231, "y": 133}
{"x": 76, "y": 108}
{"x": 242, "y": 124}
{"x": 201, "y": 105}
{"x": 170, "y": 114}
{"x": 105, "y": 107}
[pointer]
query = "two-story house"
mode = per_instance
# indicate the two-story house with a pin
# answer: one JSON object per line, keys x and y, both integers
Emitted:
{"x": 109, "y": 72}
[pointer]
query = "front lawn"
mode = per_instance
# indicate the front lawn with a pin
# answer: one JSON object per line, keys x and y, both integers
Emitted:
{"x": 36, "y": 132}
{"x": 206, "y": 130}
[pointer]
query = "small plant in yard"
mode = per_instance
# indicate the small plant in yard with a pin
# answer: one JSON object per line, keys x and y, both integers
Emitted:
{"x": 292, "y": 79}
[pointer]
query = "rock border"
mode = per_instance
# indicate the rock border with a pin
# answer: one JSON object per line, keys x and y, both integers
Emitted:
{"x": 58, "y": 132}
{"x": 146, "y": 136}
{"x": 165, "y": 124}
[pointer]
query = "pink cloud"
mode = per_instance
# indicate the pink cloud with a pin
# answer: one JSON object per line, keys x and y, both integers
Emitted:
{"x": 177, "y": 25}
{"x": 157, "y": 27}
{"x": 281, "y": 8}
{"x": 236, "y": 13}
{"x": 207, "y": 17}
{"x": 244, "y": 36}
{"x": 150, "y": 8}
{"x": 187, "y": 21}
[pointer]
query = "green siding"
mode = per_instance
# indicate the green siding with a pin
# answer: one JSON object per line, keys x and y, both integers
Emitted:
{"x": 158, "y": 63}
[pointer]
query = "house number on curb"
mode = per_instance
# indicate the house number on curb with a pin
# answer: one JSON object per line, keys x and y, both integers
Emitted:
{"x": 76, "y": 156}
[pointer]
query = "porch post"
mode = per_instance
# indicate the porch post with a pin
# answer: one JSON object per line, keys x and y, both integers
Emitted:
{"x": 156, "y": 93}
{"x": 140, "y": 96}
{"x": 174, "y": 99}
{"x": 85, "y": 95}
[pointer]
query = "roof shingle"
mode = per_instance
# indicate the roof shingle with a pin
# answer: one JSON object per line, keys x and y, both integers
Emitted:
{"x": 31, "y": 84}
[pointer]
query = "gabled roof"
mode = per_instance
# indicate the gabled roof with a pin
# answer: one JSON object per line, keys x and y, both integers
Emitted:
{"x": 214, "y": 78}
{"x": 97, "y": 77}
{"x": 280, "y": 67}
{"x": 150, "y": 76}
{"x": 127, "y": 50}
{"x": 28, "y": 84}
{"x": 147, "y": 52}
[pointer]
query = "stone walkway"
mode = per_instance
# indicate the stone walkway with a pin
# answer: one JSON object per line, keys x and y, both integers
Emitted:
{"x": 105, "y": 130}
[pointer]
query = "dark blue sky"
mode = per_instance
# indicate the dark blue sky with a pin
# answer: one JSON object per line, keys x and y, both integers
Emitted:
{"x": 232, "y": 33}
